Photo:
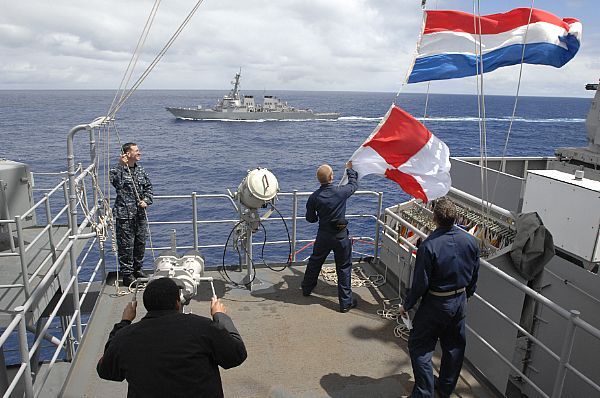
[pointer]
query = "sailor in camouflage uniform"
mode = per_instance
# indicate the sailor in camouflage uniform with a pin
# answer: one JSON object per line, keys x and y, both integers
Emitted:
{"x": 134, "y": 195}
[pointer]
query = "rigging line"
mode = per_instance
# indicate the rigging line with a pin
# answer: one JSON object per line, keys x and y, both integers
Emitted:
{"x": 156, "y": 59}
{"x": 138, "y": 49}
{"x": 415, "y": 53}
{"x": 483, "y": 110}
{"x": 514, "y": 111}
{"x": 135, "y": 55}
{"x": 429, "y": 82}
{"x": 480, "y": 107}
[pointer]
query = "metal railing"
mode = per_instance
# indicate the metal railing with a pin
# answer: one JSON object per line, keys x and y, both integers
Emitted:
{"x": 72, "y": 195}
{"x": 574, "y": 322}
{"x": 196, "y": 200}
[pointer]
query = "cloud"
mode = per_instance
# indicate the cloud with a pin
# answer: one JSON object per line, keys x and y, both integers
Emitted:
{"x": 353, "y": 45}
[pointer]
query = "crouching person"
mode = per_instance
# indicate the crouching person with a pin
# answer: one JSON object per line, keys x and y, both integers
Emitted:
{"x": 170, "y": 354}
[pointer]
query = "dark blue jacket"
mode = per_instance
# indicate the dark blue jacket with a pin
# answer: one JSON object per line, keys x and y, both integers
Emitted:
{"x": 447, "y": 260}
{"x": 329, "y": 202}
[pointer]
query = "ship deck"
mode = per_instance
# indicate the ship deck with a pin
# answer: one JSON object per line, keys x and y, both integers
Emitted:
{"x": 297, "y": 346}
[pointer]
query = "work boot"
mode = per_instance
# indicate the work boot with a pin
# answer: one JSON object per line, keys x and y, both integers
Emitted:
{"x": 139, "y": 273}
{"x": 348, "y": 308}
{"x": 128, "y": 279}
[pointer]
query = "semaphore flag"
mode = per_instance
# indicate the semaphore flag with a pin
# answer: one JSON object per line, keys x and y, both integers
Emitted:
{"x": 403, "y": 150}
{"x": 450, "y": 40}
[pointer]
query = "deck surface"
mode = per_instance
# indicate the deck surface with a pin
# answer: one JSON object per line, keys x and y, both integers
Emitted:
{"x": 297, "y": 346}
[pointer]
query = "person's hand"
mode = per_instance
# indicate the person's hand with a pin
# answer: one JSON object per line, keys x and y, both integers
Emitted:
{"x": 402, "y": 311}
{"x": 143, "y": 204}
{"x": 129, "y": 311}
{"x": 349, "y": 164}
{"x": 123, "y": 159}
{"x": 217, "y": 306}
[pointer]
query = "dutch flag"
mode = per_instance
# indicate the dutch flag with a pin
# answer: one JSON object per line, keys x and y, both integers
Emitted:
{"x": 450, "y": 41}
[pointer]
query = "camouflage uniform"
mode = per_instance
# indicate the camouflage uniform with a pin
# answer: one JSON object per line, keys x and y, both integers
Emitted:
{"x": 131, "y": 223}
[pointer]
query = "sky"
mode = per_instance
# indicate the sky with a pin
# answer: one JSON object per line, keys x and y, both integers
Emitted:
{"x": 314, "y": 45}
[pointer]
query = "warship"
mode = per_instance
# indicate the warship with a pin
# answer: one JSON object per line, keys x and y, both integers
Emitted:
{"x": 235, "y": 106}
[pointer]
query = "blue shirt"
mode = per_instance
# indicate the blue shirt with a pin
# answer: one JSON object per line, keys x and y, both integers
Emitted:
{"x": 329, "y": 202}
{"x": 447, "y": 260}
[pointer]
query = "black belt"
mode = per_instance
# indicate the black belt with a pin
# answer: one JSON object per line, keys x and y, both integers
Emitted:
{"x": 448, "y": 293}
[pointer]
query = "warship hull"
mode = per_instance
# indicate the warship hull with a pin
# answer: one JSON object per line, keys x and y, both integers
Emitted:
{"x": 209, "y": 114}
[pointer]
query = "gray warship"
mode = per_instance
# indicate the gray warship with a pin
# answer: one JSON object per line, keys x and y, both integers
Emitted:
{"x": 235, "y": 106}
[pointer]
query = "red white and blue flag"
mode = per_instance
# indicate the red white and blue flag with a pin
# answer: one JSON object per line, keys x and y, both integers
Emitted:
{"x": 450, "y": 41}
{"x": 403, "y": 150}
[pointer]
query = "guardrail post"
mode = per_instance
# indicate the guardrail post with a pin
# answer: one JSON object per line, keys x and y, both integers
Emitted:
{"x": 75, "y": 288}
{"x": 24, "y": 349}
{"x": 49, "y": 224}
{"x": 67, "y": 203}
{"x": 7, "y": 213}
{"x": 195, "y": 220}
{"x": 22, "y": 256}
{"x": 565, "y": 355}
{"x": 294, "y": 223}
{"x": 379, "y": 206}
{"x": 83, "y": 190}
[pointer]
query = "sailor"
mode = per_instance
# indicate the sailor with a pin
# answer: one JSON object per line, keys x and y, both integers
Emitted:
{"x": 168, "y": 353}
{"x": 327, "y": 205}
{"x": 445, "y": 275}
{"x": 134, "y": 195}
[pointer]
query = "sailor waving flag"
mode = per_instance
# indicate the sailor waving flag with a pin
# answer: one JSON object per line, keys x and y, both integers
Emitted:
{"x": 451, "y": 42}
{"x": 403, "y": 150}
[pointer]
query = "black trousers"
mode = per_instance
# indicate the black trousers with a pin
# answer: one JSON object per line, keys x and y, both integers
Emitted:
{"x": 131, "y": 242}
{"x": 342, "y": 251}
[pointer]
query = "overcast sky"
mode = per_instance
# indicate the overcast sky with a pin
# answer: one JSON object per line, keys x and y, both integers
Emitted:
{"x": 347, "y": 45}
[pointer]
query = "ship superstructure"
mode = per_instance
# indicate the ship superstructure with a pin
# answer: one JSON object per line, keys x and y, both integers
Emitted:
{"x": 235, "y": 106}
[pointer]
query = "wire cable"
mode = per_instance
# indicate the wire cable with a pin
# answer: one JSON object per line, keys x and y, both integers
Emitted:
{"x": 514, "y": 111}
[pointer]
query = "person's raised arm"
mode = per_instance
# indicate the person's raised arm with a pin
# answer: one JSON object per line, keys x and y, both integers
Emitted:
{"x": 108, "y": 366}
{"x": 228, "y": 346}
{"x": 352, "y": 185}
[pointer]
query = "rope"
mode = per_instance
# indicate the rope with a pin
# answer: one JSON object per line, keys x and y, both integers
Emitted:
{"x": 134, "y": 56}
{"x": 154, "y": 62}
{"x": 512, "y": 117}
{"x": 358, "y": 278}
{"x": 423, "y": 4}
{"x": 414, "y": 57}
{"x": 481, "y": 109}
{"x": 393, "y": 313}
{"x": 305, "y": 247}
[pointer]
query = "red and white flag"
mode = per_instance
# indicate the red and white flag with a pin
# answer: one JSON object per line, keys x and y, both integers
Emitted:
{"x": 403, "y": 150}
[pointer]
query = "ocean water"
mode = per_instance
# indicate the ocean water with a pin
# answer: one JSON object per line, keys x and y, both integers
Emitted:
{"x": 212, "y": 156}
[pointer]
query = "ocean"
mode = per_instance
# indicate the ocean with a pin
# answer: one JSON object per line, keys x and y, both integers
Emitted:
{"x": 212, "y": 156}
